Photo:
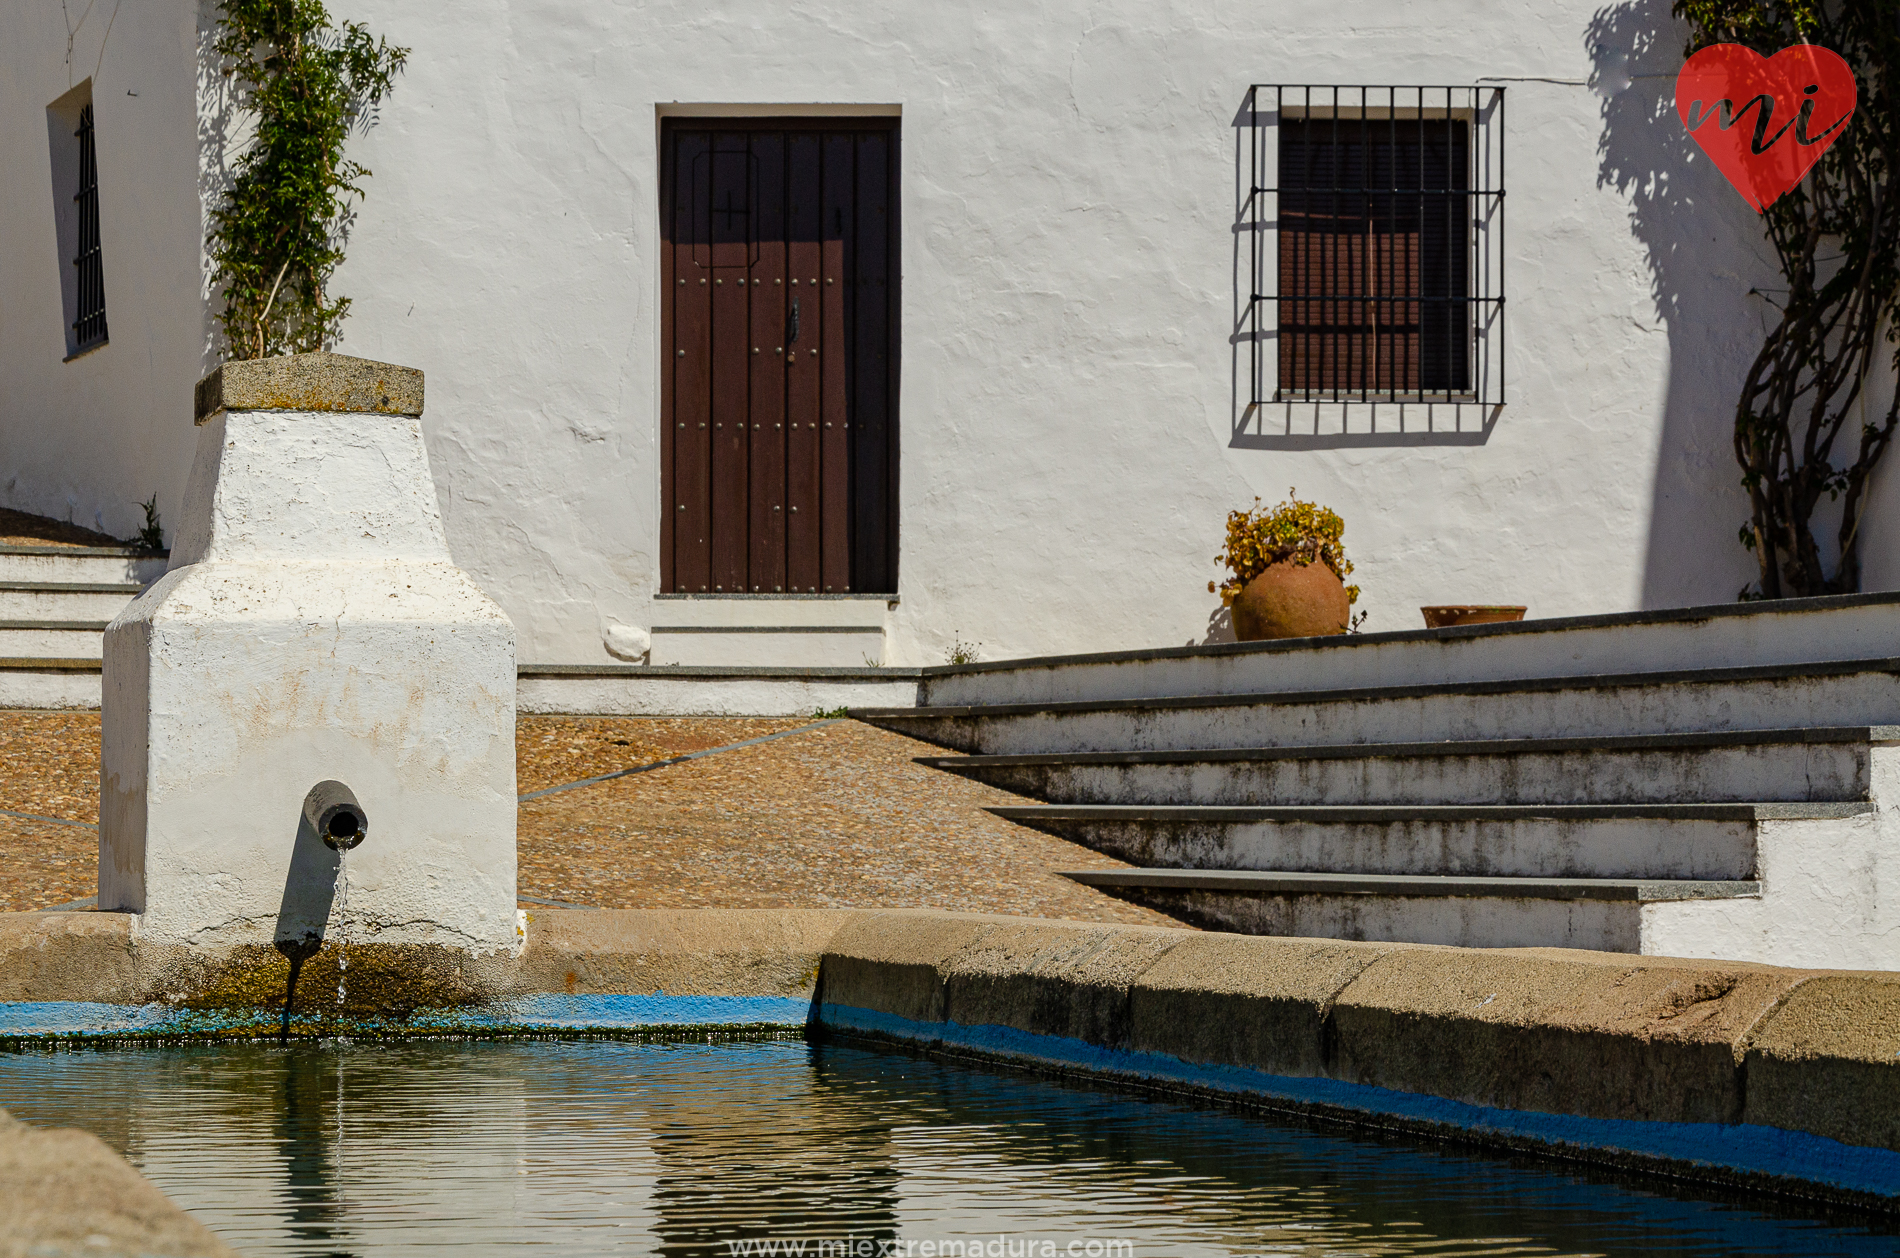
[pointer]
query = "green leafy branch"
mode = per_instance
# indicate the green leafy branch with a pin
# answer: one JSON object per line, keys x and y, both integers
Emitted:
{"x": 277, "y": 236}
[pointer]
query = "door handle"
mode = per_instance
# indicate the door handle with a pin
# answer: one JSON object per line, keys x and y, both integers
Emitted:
{"x": 791, "y": 324}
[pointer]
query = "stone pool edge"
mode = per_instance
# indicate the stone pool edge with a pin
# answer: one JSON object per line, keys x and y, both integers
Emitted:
{"x": 1748, "y": 1076}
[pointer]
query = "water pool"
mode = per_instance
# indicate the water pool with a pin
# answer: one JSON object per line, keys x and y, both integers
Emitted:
{"x": 609, "y": 1147}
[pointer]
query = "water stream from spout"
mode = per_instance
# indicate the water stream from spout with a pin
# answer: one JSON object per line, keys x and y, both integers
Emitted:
{"x": 342, "y": 923}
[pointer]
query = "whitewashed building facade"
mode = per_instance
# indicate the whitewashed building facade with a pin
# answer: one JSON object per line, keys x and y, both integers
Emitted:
{"x": 1051, "y": 366}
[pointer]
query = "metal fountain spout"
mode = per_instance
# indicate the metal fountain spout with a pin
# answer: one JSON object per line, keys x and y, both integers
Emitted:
{"x": 335, "y": 816}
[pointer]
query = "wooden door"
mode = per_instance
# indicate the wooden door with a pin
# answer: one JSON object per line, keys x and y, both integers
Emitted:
{"x": 779, "y": 325}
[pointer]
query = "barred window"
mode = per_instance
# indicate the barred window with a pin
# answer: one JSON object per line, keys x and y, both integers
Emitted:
{"x": 1376, "y": 217}
{"x": 73, "y": 156}
{"x": 89, "y": 328}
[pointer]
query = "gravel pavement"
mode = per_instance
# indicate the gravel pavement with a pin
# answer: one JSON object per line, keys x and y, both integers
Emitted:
{"x": 832, "y": 815}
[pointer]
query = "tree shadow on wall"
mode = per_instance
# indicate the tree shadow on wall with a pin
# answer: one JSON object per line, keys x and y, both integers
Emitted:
{"x": 221, "y": 137}
{"x": 1712, "y": 275}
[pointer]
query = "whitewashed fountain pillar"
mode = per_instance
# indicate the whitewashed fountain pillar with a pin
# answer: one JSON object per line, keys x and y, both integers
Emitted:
{"x": 311, "y": 627}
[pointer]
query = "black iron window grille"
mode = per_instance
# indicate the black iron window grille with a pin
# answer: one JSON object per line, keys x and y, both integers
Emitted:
{"x": 89, "y": 328}
{"x": 1374, "y": 218}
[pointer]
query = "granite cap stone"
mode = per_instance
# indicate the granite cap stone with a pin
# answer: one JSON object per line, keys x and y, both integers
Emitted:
{"x": 309, "y": 382}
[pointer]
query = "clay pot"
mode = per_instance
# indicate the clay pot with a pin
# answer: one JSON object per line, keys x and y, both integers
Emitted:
{"x": 1446, "y": 617}
{"x": 1291, "y": 600}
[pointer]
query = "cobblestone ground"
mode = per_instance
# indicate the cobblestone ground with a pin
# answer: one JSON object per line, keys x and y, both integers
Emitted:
{"x": 830, "y": 816}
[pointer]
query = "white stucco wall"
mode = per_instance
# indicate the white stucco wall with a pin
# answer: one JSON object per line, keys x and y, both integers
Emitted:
{"x": 1066, "y": 402}
{"x": 88, "y": 440}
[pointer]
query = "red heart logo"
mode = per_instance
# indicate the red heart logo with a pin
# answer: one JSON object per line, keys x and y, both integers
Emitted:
{"x": 1764, "y": 121}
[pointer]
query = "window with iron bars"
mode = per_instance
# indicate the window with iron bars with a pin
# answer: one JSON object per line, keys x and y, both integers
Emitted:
{"x": 1375, "y": 217}
{"x": 89, "y": 328}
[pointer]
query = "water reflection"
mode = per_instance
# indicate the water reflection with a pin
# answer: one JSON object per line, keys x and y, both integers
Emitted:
{"x": 811, "y": 1162}
{"x": 619, "y": 1148}
{"x": 309, "y": 1136}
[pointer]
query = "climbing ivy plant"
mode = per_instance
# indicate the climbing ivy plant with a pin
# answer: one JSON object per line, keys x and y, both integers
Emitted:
{"x": 277, "y": 235}
{"x": 1804, "y": 427}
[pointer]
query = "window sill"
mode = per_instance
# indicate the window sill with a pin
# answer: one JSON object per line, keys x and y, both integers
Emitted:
{"x": 81, "y": 353}
{"x": 1370, "y": 398}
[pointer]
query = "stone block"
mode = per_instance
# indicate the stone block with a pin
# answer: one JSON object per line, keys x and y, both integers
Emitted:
{"x": 1245, "y": 1000}
{"x": 894, "y": 962}
{"x": 681, "y": 952}
{"x": 1828, "y": 1060}
{"x": 309, "y": 382}
{"x": 65, "y": 1192}
{"x": 1595, "y": 1034}
{"x": 1070, "y": 979}
{"x": 68, "y": 956}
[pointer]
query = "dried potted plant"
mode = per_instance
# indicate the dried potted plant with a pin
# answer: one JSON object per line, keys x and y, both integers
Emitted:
{"x": 1287, "y": 571}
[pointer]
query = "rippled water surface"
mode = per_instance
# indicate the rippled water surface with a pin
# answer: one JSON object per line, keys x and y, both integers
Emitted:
{"x": 626, "y": 1148}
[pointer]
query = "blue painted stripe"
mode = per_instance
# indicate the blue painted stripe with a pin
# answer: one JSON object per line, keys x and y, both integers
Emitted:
{"x": 568, "y": 1012}
{"x": 64, "y": 1017}
{"x": 86, "y": 1019}
{"x": 1743, "y": 1147}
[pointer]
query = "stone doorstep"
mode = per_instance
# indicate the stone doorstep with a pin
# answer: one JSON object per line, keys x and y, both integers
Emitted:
{"x": 785, "y": 629}
{"x": 1414, "y": 886}
{"x": 792, "y": 646}
{"x": 780, "y": 613}
{"x": 1625, "y": 1060}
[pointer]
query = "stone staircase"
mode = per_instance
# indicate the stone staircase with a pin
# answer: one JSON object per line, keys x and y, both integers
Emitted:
{"x": 54, "y": 605}
{"x": 1711, "y": 782}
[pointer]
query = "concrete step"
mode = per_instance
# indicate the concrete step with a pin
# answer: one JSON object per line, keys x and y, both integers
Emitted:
{"x": 1694, "y": 841}
{"x": 768, "y": 610}
{"x": 1609, "y": 915}
{"x": 65, "y": 600}
{"x": 87, "y": 564}
{"x": 50, "y": 683}
{"x": 1777, "y": 632}
{"x": 1846, "y": 692}
{"x": 1791, "y": 764}
{"x": 646, "y": 690}
{"x": 1284, "y": 882}
{"x": 61, "y": 638}
{"x": 782, "y": 646}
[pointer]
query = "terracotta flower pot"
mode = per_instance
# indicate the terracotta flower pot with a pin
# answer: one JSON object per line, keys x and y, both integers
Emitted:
{"x": 1446, "y": 617}
{"x": 1291, "y": 600}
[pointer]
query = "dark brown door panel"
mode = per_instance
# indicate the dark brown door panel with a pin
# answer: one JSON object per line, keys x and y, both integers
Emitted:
{"x": 779, "y": 326}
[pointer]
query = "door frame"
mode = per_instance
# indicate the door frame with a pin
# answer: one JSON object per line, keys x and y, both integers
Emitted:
{"x": 670, "y": 118}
